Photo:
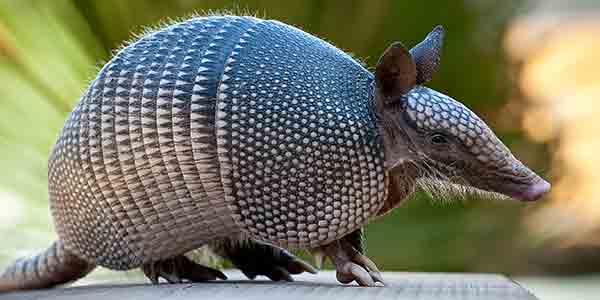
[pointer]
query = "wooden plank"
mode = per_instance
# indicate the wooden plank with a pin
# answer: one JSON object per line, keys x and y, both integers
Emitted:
{"x": 424, "y": 286}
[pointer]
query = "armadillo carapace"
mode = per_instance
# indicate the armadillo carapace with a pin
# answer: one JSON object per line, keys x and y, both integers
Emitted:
{"x": 251, "y": 136}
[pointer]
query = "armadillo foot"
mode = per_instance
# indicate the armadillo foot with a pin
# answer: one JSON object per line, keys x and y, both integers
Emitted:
{"x": 180, "y": 268}
{"x": 351, "y": 265}
{"x": 254, "y": 258}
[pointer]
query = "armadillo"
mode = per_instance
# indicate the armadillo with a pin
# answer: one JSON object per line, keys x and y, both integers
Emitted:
{"x": 251, "y": 136}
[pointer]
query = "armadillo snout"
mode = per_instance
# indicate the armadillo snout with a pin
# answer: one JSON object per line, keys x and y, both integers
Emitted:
{"x": 535, "y": 191}
{"x": 511, "y": 177}
{"x": 528, "y": 190}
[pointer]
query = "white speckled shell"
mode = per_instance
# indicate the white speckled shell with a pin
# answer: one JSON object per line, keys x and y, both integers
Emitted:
{"x": 210, "y": 128}
{"x": 298, "y": 143}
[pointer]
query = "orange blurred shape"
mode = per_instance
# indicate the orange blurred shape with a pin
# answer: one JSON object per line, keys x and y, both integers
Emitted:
{"x": 560, "y": 78}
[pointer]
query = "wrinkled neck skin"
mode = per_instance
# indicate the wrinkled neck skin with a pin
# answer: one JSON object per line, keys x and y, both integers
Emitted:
{"x": 402, "y": 172}
{"x": 396, "y": 140}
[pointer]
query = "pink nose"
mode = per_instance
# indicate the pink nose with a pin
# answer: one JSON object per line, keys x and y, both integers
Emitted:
{"x": 535, "y": 191}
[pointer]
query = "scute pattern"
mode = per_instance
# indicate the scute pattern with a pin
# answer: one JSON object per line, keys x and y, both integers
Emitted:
{"x": 134, "y": 175}
{"x": 432, "y": 111}
{"x": 297, "y": 138}
{"x": 210, "y": 128}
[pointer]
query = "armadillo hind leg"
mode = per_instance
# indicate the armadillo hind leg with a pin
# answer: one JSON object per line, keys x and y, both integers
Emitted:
{"x": 52, "y": 267}
{"x": 350, "y": 263}
{"x": 179, "y": 268}
{"x": 256, "y": 258}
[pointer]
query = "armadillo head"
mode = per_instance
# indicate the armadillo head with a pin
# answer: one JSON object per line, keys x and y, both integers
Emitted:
{"x": 438, "y": 136}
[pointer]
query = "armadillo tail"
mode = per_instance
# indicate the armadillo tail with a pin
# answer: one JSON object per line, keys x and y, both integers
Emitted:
{"x": 52, "y": 267}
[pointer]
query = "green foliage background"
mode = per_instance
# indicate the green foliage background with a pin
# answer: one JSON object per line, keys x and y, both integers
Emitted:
{"x": 50, "y": 50}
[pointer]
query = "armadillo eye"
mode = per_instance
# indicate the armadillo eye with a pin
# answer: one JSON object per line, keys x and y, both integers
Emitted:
{"x": 438, "y": 139}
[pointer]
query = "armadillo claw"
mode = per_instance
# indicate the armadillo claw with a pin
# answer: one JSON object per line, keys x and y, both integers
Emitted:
{"x": 277, "y": 265}
{"x": 286, "y": 264}
{"x": 176, "y": 269}
{"x": 365, "y": 261}
{"x": 351, "y": 271}
{"x": 255, "y": 258}
{"x": 297, "y": 265}
{"x": 377, "y": 277}
{"x": 171, "y": 277}
{"x": 370, "y": 266}
{"x": 351, "y": 265}
{"x": 279, "y": 273}
{"x": 199, "y": 273}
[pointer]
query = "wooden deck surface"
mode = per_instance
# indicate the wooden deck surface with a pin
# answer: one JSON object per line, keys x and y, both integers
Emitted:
{"x": 423, "y": 286}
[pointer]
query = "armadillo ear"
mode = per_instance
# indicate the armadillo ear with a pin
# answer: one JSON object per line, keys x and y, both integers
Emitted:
{"x": 427, "y": 54}
{"x": 395, "y": 73}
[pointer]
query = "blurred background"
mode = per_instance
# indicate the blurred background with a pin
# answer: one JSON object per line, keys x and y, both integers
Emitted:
{"x": 529, "y": 68}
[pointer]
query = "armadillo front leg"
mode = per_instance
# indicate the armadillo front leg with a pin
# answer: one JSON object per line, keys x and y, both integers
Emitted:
{"x": 180, "y": 268}
{"x": 255, "y": 258}
{"x": 350, "y": 263}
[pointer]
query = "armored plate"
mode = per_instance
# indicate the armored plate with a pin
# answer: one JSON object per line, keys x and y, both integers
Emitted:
{"x": 213, "y": 127}
{"x": 300, "y": 156}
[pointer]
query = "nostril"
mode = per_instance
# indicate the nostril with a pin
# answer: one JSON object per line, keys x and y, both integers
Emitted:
{"x": 536, "y": 190}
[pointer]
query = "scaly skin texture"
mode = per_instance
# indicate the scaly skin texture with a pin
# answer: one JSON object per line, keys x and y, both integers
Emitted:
{"x": 251, "y": 135}
{"x": 53, "y": 267}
